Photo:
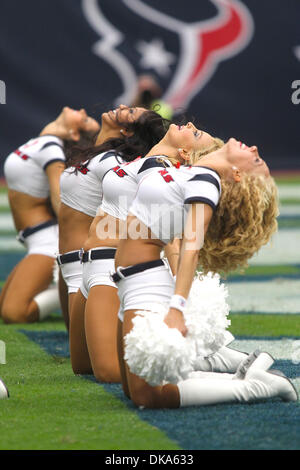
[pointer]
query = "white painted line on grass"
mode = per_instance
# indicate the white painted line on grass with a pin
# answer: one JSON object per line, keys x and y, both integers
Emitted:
{"x": 276, "y": 296}
{"x": 282, "y": 249}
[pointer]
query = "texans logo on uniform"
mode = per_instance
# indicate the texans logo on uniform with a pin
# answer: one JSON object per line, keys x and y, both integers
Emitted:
{"x": 182, "y": 48}
{"x": 82, "y": 168}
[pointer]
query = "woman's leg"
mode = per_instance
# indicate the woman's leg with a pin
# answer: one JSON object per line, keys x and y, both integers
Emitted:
{"x": 122, "y": 364}
{"x": 79, "y": 353}
{"x": 141, "y": 393}
{"x": 101, "y": 318}
{"x": 257, "y": 385}
{"x": 64, "y": 299}
{"x": 5, "y": 287}
{"x": 30, "y": 277}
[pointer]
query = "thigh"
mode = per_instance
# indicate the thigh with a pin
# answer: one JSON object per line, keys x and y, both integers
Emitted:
{"x": 64, "y": 298}
{"x": 101, "y": 318}
{"x": 80, "y": 358}
{"x": 120, "y": 346}
{"x": 5, "y": 286}
{"x": 31, "y": 276}
{"x": 141, "y": 393}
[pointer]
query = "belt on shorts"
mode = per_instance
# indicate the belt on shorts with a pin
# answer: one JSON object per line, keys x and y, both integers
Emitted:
{"x": 69, "y": 257}
{"x": 135, "y": 269}
{"x": 102, "y": 253}
{"x": 30, "y": 230}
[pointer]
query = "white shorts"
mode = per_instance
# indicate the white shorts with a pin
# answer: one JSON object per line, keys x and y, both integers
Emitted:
{"x": 42, "y": 242}
{"x": 72, "y": 274}
{"x": 97, "y": 272}
{"x": 138, "y": 291}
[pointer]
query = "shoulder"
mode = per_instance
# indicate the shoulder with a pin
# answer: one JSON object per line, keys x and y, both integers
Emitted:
{"x": 206, "y": 175}
{"x": 153, "y": 162}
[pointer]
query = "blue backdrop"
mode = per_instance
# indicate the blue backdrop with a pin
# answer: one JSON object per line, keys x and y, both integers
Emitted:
{"x": 231, "y": 64}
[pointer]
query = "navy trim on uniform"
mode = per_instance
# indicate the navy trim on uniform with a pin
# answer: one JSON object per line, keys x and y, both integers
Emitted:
{"x": 36, "y": 228}
{"x": 106, "y": 253}
{"x": 208, "y": 168}
{"x": 107, "y": 155}
{"x": 52, "y": 161}
{"x": 48, "y": 144}
{"x": 151, "y": 163}
{"x": 204, "y": 200}
{"x": 135, "y": 269}
{"x": 208, "y": 178}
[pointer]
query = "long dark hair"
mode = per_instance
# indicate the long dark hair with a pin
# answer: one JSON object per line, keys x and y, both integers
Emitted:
{"x": 147, "y": 131}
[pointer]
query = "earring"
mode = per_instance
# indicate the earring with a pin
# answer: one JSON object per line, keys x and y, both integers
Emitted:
{"x": 122, "y": 131}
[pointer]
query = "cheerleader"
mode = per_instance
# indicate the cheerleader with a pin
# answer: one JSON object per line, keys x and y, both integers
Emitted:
{"x": 225, "y": 209}
{"x": 94, "y": 319}
{"x": 32, "y": 173}
{"x": 125, "y": 133}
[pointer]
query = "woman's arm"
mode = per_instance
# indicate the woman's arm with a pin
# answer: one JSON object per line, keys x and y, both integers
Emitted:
{"x": 172, "y": 252}
{"x": 197, "y": 223}
{"x": 53, "y": 171}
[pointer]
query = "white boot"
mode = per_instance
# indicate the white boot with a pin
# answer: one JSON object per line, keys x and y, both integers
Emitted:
{"x": 224, "y": 360}
{"x": 47, "y": 301}
{"x": 258, "y": 385}
{"x": 255, "y": 360}
{"x": 3, "y": 390}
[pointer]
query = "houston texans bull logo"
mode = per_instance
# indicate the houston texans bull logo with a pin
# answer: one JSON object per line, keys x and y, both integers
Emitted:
{"x": 201, "y": 45}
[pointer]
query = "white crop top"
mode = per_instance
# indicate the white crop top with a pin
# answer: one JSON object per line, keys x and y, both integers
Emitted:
{"x": 82, "y": 189}
{"x": 163, "y": 198}
{"x": 121, "y": 183}
{"x": 24, "y": 169}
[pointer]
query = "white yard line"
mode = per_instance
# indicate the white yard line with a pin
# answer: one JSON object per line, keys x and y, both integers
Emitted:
{"x": 10, "y": 244}
{"x": 287, "y": 191}
{"x": 276, "y": 296}
{"x": 6, "y": 222}
{"x": 284, "y": 248}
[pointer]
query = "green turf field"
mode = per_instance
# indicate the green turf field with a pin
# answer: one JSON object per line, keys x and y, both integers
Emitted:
{"x": 51, "y": 408}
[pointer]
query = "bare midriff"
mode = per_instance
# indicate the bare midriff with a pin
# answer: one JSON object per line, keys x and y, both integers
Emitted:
{"x": 73, "y": 228}
{"x": 133, "y": 250}
{"x": 28, "y": 211}
{"x": 108, "y": 231}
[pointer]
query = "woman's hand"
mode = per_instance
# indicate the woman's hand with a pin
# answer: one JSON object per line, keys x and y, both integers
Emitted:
{"x": 175, "y": 319}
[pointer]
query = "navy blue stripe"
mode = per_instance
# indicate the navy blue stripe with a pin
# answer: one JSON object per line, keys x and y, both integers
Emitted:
{"x": 107, "y": 155}
{"x": 52, "y": 161}
{"x": 152, "y": 163}
{"x": 204, "y": 200}
{"x": 49, "y": 144}
{"x": 208, "y": 178}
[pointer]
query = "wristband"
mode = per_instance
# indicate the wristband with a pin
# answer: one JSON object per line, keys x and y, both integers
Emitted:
{"x": 178, "y": 302}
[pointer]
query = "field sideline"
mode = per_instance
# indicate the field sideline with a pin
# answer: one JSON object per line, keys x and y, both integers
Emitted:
{"x": 52, "y": 409}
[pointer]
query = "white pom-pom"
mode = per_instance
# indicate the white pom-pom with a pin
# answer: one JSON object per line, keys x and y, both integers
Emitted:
{"x": 158, "y": 354}
{"x": 55, "y": 273}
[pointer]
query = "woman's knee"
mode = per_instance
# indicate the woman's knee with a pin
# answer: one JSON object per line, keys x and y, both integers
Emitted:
{"x": 107, "y": 372}
{"x": 14, "y": 313}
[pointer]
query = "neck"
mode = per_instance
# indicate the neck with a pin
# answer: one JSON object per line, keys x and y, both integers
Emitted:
{"x": 216, "y": 161}
{"x": 163, "y": 149}
{"x": 56, "y": 129}
{"x": 107, "y": 134}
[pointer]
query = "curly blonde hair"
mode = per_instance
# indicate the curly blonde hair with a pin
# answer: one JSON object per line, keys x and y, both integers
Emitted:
{"x": 243, "y": 222}
{"x": 197, "y": 154}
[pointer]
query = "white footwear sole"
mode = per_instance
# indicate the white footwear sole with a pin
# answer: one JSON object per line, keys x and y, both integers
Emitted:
{"x": 255, "y": 360}
{"x": 292, "y": 395}
{"x": 3, "y": 390}
{"x": 276, "y": 381}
